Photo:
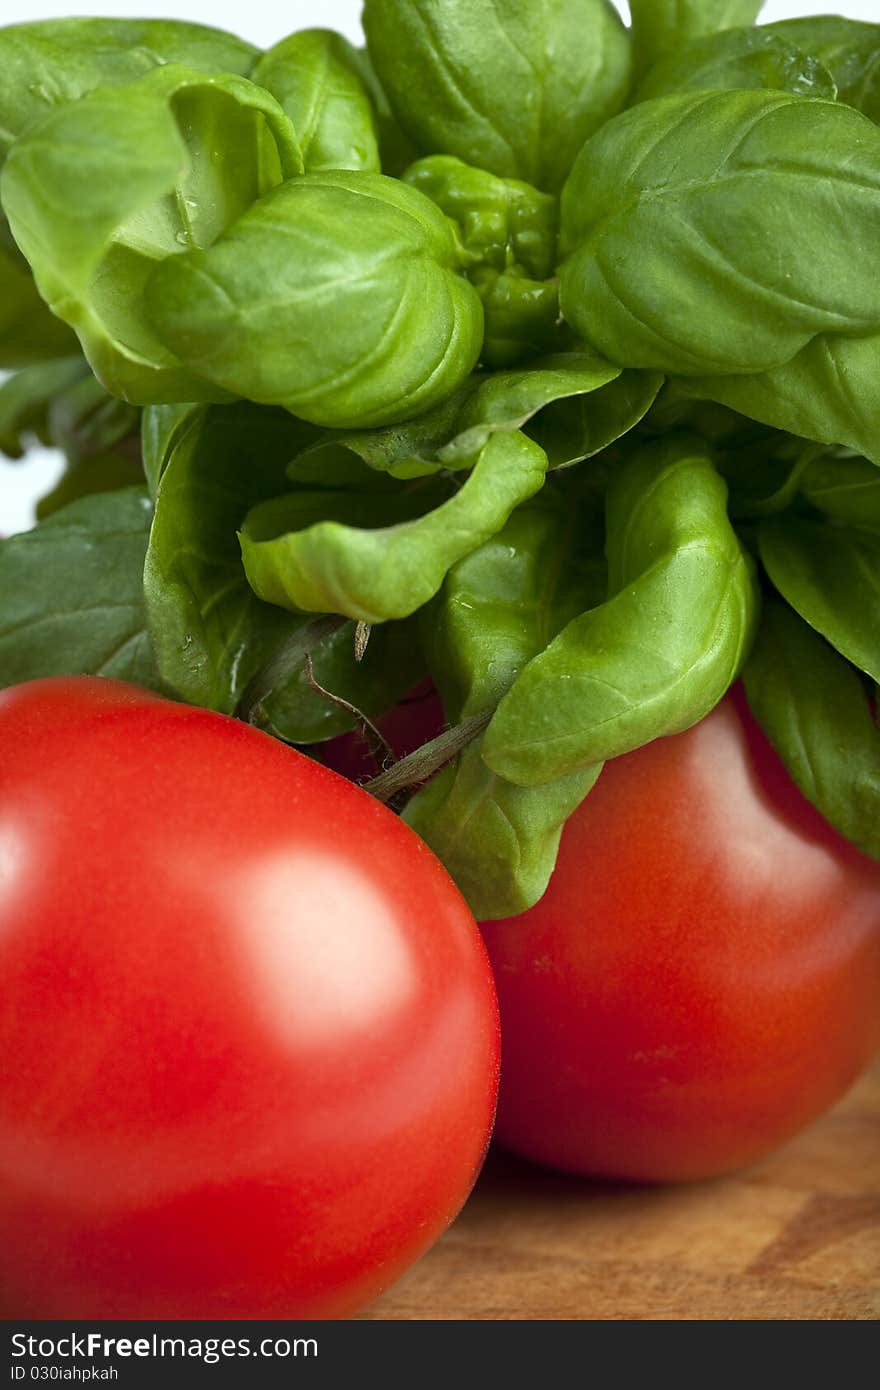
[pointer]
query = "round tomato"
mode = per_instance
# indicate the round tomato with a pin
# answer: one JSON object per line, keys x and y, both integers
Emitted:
{"x": 248, "y": 1028}
{"x": 702, "y": 977}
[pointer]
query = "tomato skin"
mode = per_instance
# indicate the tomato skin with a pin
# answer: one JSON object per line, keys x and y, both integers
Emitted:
{"x": 249, "y": 1031}
{"x": 702, "y": 977}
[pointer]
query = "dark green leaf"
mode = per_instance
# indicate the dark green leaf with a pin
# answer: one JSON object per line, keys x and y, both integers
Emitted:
{"x": 71, "y": 593}
{"x": 212, "y": 634}
{"x": 816, "y": 712}
{"x": 831, "y": 576}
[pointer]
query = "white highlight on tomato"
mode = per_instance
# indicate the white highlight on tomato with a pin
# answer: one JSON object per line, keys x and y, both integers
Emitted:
{"x": 317, "y": 962}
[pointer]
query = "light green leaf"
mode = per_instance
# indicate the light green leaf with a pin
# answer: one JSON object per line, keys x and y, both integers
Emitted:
{"x": 312, "y": 76}
{"x": 515, "y": 89}
{"x": 290, "y": 309}
{"x": 721, "y": 232}
{"x": 102, "y": 188}
{"x": 311, "y": 551}
{"x": 211, "y": 633}
{"x": 71, "y": 597}
{"x": 829, "y": 392}
{"x": 662, "y": 651}
{"x": 497, "y": 609}
{"x": 53, "y": 61}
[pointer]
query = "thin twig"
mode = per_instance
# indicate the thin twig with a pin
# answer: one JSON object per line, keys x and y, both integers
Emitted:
{"x": 380, "y": 748}
{"x": 417, "y": 767}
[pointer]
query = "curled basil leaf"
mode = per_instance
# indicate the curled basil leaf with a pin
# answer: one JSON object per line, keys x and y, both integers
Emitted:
{"x": 604, "y": 403}
{"x": 660, "y": 27}
{"x": 829, "y": 392}
{"x": 738, "y": 58}
{"x": 515, "y": 89}
{"x": 212, "y": 635}
{"x": 815, "y": 710}
{"x": 497, "y": 609}
{"x": 71, "y": 593}
{"x": 290, "y": 309}
{"x": 311, "y": 551}
{"x": 661, "y": 652}
{"x": 831, "y": 576}
{"x": 756, "y": 206}
{"x": 849, "y": 48}
{"x": 53, "y": 61}
{"x": 104, "y": 187}
{"x": 312, "y": 76}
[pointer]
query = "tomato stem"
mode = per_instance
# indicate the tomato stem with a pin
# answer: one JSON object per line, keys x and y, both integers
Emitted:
{"x": 417, "y": 767}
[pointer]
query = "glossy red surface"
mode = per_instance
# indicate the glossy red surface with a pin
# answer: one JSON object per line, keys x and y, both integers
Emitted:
{"x": 702, "y": 977}
{"x": 248, "y": 1028}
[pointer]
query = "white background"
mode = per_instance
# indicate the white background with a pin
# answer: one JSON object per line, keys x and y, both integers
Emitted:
{"x": 263, "y": 22}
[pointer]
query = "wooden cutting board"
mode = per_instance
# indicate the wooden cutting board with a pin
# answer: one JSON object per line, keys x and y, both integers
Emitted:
{"x": 797, "y": 1236}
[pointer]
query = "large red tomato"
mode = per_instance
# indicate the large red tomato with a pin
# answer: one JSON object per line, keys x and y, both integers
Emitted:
{"x": 702, "y": 976}
{"x": 248, "y": 1029}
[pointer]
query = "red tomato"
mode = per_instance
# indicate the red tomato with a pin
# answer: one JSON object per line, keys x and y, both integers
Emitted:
{"x": 702, "y": 977}
{"x": 248, "y": 1028}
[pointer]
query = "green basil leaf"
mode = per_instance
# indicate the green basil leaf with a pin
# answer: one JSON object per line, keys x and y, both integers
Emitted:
{"x": 211, "y": 633}
{"x": 312, "y": 76}
{"x": 573, "y": 428}
{"x": 53, "y": 61}
{"x": 498, "y": 841}
{"x": 737, "y": 58}
{"x": 161, "y": 428}
{"x": 515, "y": 89}
{"x": 29, "y": 332}
{"x": 849, "y": 48}
{"x": 660, "y": 27}
{"x": 662, "y": 650}
{"x": 816, "y": 712}
{"x": 755, "y": 206}
{"x": 289, "y": 309}
{"x": 311, "y": 551}
{"x": 396, "y": 150}
{"x": 497, "y": 609}
{"x": 531, "y": 398}
{"x": 25, "y": 400}
{"x": 140, "y": 172}
{"x": 831, "y": 576}
{"x": 829, "y": 392}
{"x": 71, "y": 594}
{"x": 845, "y": 489}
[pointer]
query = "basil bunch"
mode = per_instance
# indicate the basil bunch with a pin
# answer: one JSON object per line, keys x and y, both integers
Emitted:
{"x": 518, "y": 350}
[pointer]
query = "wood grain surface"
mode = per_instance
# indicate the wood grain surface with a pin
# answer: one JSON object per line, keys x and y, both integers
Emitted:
{"x": 795, "y": 1237}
